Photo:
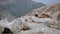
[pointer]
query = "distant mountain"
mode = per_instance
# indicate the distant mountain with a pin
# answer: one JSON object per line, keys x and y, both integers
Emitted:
{"x": 37, "y": 5}
{"x": 20, "y": 7}
{"x": 4, "y": 15}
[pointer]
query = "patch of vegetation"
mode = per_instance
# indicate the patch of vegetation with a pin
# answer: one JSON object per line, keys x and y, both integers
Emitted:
{"x": 7, "y": 31}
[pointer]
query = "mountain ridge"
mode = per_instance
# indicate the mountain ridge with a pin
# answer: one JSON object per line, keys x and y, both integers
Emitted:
{"x": 20, "y": 7}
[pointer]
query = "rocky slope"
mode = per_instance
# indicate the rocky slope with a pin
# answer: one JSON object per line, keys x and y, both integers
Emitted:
{"x": 44, "y": 20}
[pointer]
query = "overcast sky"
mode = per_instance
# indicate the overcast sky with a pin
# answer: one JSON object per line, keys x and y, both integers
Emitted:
{"x": 48, "y": 2}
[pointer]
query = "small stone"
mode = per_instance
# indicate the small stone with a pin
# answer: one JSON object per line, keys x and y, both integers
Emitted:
{"x": 25, "y": 27}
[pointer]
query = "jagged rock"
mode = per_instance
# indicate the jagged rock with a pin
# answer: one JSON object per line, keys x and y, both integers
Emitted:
{"x": 32, "y": 27}
{"x": 52, "y": 12}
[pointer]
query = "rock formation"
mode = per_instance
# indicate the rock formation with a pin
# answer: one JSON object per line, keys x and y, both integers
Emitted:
{"x": 44, "y": 20}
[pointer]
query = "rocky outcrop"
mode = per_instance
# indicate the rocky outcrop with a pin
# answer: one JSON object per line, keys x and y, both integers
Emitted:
{"x": 43, "y": 20}
{"x": 52, "y": 12}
